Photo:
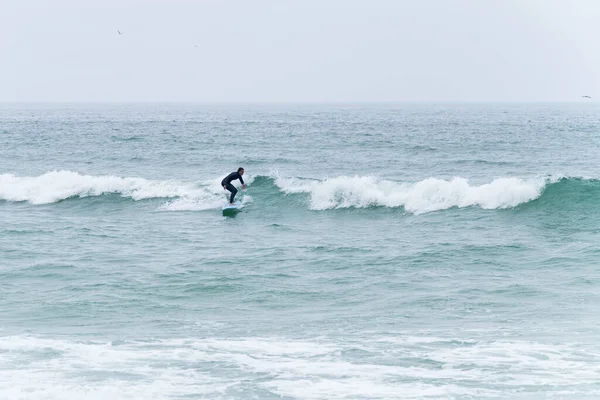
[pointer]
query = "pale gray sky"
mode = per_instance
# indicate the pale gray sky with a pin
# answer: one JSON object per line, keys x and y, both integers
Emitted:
{"x": 301, "y": 50}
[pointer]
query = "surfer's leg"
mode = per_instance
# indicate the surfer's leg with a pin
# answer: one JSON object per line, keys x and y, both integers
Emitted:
{"x": 233, "y": 191}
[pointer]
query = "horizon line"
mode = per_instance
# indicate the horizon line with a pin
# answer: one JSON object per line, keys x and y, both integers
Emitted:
{"x": 292, "y": 102}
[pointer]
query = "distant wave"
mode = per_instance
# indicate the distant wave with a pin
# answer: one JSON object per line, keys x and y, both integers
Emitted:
{"x": 424, "y": 196}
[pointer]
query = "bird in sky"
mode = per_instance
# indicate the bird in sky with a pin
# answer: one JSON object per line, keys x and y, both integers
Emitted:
{"x": 586, "y": 97}
{"x": 119, "y": 32}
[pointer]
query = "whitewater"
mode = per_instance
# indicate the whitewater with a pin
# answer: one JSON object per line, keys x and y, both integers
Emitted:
{"x": 384, "y": 251}
{"x": 341, "y": 192}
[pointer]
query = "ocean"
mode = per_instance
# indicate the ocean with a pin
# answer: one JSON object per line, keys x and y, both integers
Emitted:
{"x": 383, "y": 251}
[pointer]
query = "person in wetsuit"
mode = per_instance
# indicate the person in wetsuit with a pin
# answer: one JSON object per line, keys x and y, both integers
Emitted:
{"x": 226, "y": 183}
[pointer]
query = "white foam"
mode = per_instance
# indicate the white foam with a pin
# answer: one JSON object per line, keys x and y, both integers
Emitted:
{"x": 341, "y": 192}
{"x": 55, "y": 186}
{"x": 202, "y": 201}
{"x": 393, "y": 366}
{"x": 428, "y": 195}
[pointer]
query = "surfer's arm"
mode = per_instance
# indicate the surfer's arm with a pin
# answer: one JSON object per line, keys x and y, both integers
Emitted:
{"x": 243, "y": 184}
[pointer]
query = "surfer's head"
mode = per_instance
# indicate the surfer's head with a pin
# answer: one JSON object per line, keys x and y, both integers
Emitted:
{"x": 241, "y": 171}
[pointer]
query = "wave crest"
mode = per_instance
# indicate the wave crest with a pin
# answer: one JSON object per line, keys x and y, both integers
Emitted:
{"x": 428, "y": 195}
{"x": 55, "y": 186}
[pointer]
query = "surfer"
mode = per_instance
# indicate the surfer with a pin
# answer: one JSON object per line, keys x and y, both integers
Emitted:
{"x": 226, "y": 183}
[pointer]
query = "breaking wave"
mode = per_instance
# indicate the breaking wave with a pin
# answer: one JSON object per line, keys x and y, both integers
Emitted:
{"x": 424, "y": 196}
{"x": 428, "y": 195}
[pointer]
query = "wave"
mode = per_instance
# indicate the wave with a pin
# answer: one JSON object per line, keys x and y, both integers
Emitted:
{"x": 58, "y": 368}
{"x": 56, "y": 186}
{"x": 428, "y": 195}
{"x": 432, "y": 194}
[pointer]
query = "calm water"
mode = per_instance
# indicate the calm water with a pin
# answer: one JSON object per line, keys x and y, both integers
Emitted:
{"x": 382, "y": 252}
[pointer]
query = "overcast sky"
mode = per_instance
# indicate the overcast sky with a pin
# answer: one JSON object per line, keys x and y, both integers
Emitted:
{"x": 301, "y": 50}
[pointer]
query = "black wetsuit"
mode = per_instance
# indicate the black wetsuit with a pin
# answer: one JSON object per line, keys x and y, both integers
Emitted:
{"x": 227, "y": 183}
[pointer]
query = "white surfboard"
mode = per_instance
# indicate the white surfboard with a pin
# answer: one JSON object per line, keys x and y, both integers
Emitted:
{"x": 235, "y": 206}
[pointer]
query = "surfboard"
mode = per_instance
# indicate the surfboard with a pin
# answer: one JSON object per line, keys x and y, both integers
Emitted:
{"x": 230, "y": 207}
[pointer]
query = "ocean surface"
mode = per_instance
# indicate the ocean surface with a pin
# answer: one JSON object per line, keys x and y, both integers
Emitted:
{"x": 383, "y": 251}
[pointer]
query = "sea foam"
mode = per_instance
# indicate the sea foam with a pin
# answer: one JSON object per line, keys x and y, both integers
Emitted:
{"x": 424, "y": 196}
{"x": 419, "y": 197}
{"x": 56, "y": 186}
